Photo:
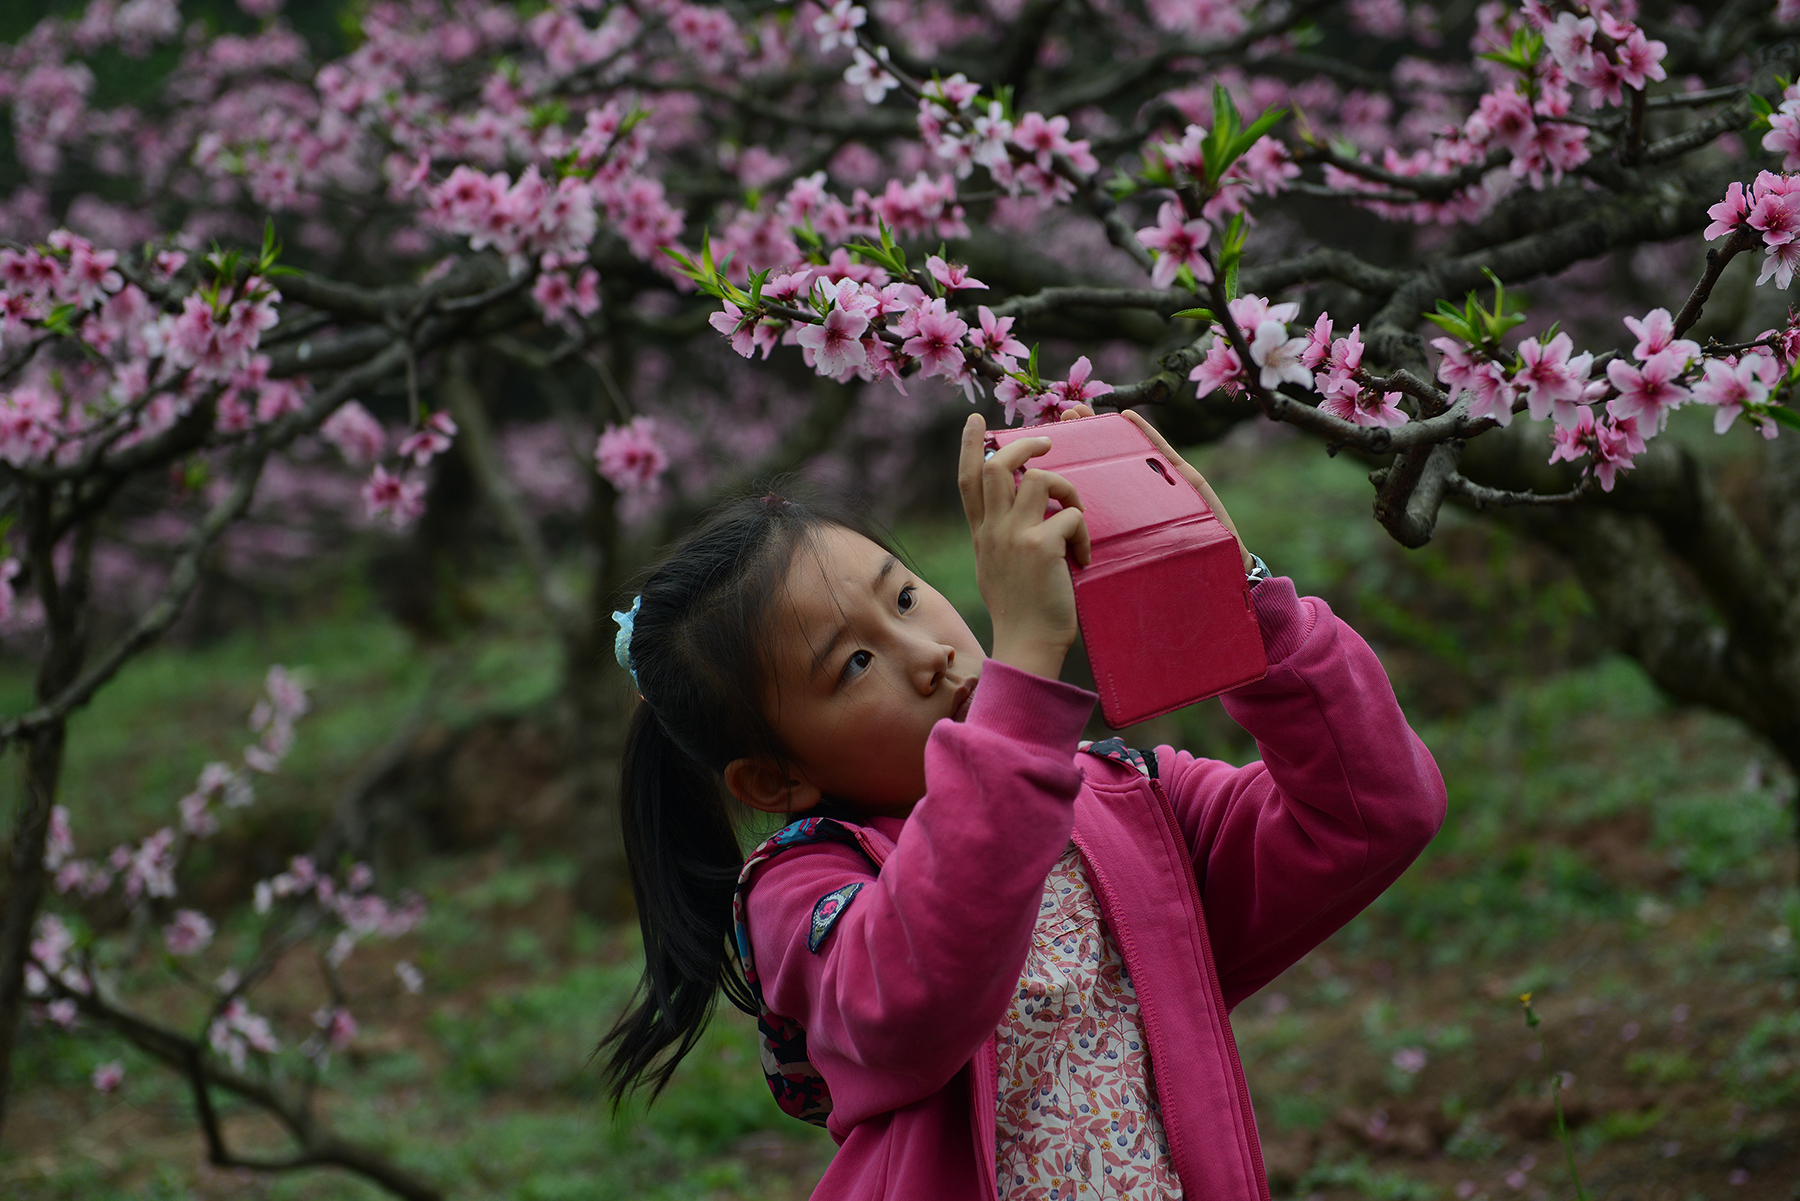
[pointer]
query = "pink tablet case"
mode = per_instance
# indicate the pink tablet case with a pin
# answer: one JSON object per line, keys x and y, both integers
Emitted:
{"x": 1164, "y": 606}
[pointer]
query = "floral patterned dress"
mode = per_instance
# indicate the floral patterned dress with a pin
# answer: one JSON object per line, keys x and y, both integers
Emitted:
{"x": 1077, "y": 1119}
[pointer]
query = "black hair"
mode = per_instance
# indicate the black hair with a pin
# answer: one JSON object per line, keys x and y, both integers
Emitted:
{"x": 699, "y": 649}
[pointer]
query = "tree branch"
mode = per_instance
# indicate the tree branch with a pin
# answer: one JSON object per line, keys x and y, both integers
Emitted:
{"x": 183, "y": 578}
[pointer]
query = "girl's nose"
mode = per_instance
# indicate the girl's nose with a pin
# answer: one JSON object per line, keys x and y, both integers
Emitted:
{"x": 935, "y": 660}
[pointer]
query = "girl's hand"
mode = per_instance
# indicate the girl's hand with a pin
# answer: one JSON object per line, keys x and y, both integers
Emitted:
{"x": 1193, "y": 477}
{"x": 1020, "y": 555}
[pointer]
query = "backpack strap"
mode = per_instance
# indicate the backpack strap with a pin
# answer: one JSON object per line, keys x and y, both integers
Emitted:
{"x": 1144, "y": 762}
{"x": 799, "y": 1089}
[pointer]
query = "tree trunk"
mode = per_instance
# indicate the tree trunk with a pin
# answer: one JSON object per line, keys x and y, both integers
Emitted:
{"x": 65, "y": 614}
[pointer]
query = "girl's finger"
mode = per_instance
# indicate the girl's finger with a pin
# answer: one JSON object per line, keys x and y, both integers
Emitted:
{"x": 1071, "y": 526}
{"x": 1059, "y": 489}
{"x": 1077, "y": 411}
{"x": 997, "y": 473}
{"x": 968, "y": 469}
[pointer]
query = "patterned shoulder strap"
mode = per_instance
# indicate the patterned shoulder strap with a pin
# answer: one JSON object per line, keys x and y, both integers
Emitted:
{"x": 1116, "y": 750}
{"x": 799, "y": 1089}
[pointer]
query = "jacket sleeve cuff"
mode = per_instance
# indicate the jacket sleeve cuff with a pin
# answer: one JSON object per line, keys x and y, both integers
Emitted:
{"x": 1284, "y": 619}
{"x": 1027, "y": 708}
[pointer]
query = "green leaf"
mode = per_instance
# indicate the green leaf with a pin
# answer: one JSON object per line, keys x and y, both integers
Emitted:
{"x": 1120, "y": 186}
{"x": 58, "y": 320}
{"x": 1205, "y": 315}
{"x": 1759, "y": 105}
{"x": 1257, "y": 129}
{"x": 1231, "y": 280}
{"x": 1453, "y": 324}
{"x": 1784, "y": 416}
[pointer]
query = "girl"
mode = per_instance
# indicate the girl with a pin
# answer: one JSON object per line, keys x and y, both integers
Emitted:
{"x": 999, "y": 967}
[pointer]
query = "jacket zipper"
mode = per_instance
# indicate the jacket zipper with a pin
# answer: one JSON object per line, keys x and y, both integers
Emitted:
{"x": 1246, "y": 1109}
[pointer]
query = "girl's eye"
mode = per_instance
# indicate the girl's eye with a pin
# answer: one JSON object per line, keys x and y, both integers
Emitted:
{"x": 856, "y": 664}
{"x": 908, "y": 598}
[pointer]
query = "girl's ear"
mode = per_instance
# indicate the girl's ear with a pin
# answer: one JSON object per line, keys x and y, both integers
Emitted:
{"x": 763, "y": 786}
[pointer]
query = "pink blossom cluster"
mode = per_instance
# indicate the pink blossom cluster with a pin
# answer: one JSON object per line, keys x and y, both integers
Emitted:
{"x": 1265, "y": 169}
{"x": 53, "y": 958}
{"x": 148, "y": 869}
{"x": 1312, "y": 361}
{"x": 398, "y": 496}
{"x": 522, "y": 220}
{"x": 1528, "y": 120}
{"x": 1603, "y": 52}
{"x": 237, "y": 1031}
{"x": 630, "y": 456}
{"x": 766, "y": 238}
{"x": 147, "y": 367}
{"x": 1771, "y": 207}
{"x": 1033, "y": 156}
{"x": 360, "y": 912}
{"x": 874, "y": 328}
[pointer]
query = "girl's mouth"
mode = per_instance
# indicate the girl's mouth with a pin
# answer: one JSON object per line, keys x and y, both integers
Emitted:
{"x": 964, "y": 694}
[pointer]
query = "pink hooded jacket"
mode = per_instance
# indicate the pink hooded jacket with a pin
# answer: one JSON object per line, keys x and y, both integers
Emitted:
{"x": 1212, "y": 880}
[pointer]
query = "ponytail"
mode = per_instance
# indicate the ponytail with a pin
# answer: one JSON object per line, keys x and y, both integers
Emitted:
{"x": 682, "y": 845}
{"x": 697, "y": 648}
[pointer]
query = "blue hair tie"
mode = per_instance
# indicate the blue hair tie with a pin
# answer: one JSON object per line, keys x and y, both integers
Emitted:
{"x": 622, "y": 640}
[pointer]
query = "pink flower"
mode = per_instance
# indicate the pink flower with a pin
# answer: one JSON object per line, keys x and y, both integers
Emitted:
{"x": 338, "y": 1024}
{"x": 1347, "y": 401}
{"x": 836, "y": 344}
{"x": 1458, "y": 366}
{"x": 150, "y": 870}
{"x": 431, "y": 439}
{"x": 1777, "y": 215}
{"x": 1078, "y": 388}
{"x": 1503, "y": 117}
{"x": 1043, "y": 138}
{"x": 1221, "y": 368}
{"x": 1728, "y": 214}
{"x": 1318, "y": 343}
{"x": 839, "y": 26}
{"x": 108, "y": 1076}
{"x": 355, "y": 433}
{"x": 59, "y": 845}
{"x": 1731, "y": 387}
{"x": 630, "y": 457}
{"x": 1641, "y": 60}
{"x": 1647, "y": 394}
{"x": 951, "y": 276}
{"x": 1779, "y": 264}
{"x": 188, "y": 934}
{"x": 1279, "y": 356}
{"x": 1784, "y": 137}
{"x": 746, "y": 336}
{"x": 400, "y": 499}
{"x": 1177, "y": 244}
{"x": 1491, "y": 393}
{"x": 1553, "y": 383}
{"x": 1411, "y": 1060}
{"x": 935, "y": 343}
{"x": 996, "y": 340}
{"x": 1656, "y": 334}
{"x": 870, "y": 74}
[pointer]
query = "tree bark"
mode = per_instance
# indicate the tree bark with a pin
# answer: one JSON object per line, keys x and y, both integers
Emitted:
{"x": 65, "y": 613}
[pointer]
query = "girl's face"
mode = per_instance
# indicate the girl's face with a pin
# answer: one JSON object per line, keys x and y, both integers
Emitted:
{"x": 868, "y": 660}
